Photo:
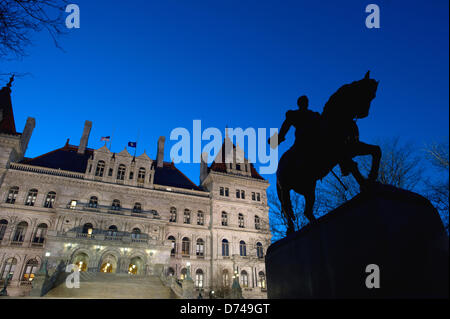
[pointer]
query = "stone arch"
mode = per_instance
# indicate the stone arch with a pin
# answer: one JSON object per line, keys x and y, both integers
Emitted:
{"x": 109, "y": 261}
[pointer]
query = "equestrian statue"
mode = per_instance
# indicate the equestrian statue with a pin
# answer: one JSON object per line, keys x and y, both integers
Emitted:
{"x": 323, "y": 141}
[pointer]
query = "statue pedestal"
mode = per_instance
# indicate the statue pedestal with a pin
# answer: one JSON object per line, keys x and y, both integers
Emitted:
{"x": 398, "y": 231}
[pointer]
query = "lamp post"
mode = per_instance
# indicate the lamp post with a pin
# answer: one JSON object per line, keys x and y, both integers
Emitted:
{"x": 4, "y": 292}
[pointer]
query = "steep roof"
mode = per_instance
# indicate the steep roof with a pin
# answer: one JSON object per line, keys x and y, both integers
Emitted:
{"x": 67, "y": 158}
{"x": 219, "y": 164}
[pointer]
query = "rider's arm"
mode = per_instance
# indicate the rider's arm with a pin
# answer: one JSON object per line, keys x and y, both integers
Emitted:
{"x": 285, "y": 127}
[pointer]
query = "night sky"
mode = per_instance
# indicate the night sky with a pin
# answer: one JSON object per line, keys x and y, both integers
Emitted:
{"x": 146, "y": 67}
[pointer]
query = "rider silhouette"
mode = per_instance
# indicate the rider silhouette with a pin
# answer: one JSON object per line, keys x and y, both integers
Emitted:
{"x": 302, "y": 119}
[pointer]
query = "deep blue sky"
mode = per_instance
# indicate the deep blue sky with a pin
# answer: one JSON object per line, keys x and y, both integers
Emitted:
{"x": 155, "y": 65}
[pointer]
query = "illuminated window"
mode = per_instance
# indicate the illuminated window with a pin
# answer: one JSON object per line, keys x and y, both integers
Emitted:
{"x": 244, "y": 279}
{"x": 73, "y": 204}
{"x": 200, "y": 218}
{"x": 30, "y": 270}
{"x": 187, "y": 216}
{"x": 50, "y": 200}
{"x": 31, "y": 197}
{"x": 225, "y": 278}
{"x": 12, "y": 195}
{"x": 241, "y": 220}
{"x": 21, "y": 230}
{"x": 262, "y": 280}
{"x": 87, "y": 228}
{"x": 174, "y": 245}
{"x": 199, "y": 278}
{"x": 200, "y": 248}
{"x": 8, "y": 268}
{"x": 173, "y": 215}
{"x": 185, "y": 246}
{"x": 39, "y": 235}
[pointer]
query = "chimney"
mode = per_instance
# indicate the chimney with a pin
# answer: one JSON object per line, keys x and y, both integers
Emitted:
{"x": 26, "y": 134}
{"x": 160, "y": 155}
{"x": 203, "y": 166}
{"x": 85, "y": 137}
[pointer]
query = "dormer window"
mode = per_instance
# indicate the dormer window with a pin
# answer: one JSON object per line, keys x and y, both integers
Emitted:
{"x": 100, "y": 168}
{"x": 121, "y": 172}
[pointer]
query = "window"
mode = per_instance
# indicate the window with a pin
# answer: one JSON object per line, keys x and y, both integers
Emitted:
{"x": 110, "y": 172}
{"x": 174, "y": 245}
{"x": 50, "y": 200}
{"x": 200, "y": 248}
{"x": 3, "y": 225}
{"x": 242, "y": 248}
{"x": 199, "y": 278}
{"x": 12, "y": 195}
{"x": 131, "y": 175}
{"x": 221, "y": 191}
{"x": 141, "y": 175}
{"x": 30, "y": 270}
{"x": 21, "y": 230}
{"x": 225, "y": 278}
{"x": 137, "y": 208}
{"x": 241, "y": 220}
{"x": 259, "y": 250}
{"x": 200, "y": 218}
{"x": 87, "y": 228}
{"x": 262, "y": 280}
{"x": 225, "y": 248}
{"x": 31, "y": 197}
{"x": 258, "y": 197}
{"x": 170, "y": 271}
{"x": 187, "y": 216}
{"x": 253, "y": 196}
{"x": 39, "y": 235}
{"x": 173, "y": 215}
{"x": 115, "y": 204}
{"x": 227, "y": 192}
{"x": 185, "y": 246}
{"x": 183, "y": 273}
{"x": 238, "y": 167}
{"x": 238, "y": 193}
{"x": 112, "y": 230}
{"x": 257, "y": 222}
{"x": 243, "y": 194}
{"x": 224, "y": 219}
{"x": 121, "y": 172}
{"x": 73, "y": 204}
{"x": 8, "y": 268}
{"x": 100, "y": 168}
{"x": 93, "y": 202}
{"x": 244, "y": 279}
{"x": 135, "y": 233}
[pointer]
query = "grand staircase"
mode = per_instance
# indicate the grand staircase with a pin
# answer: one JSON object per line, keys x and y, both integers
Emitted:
{"x": 114, "y": 286}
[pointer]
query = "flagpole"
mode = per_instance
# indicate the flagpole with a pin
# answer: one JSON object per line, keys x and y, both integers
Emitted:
{"x": 137, "y": 138}
{"x": 110, "y": 140}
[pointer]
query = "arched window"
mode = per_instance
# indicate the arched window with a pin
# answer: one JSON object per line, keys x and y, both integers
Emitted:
{"x": 174, "y": 245}
{"x": 112, "y": 230}
{"x": 187, "y": 216}
{"x": 135, "y": 233}
{"x": 200, "y": 218}
{"x": 31, "y": 197}
{"x": 244, "y": 279}
{"x": 121, "y": 172}
{"x": 242, "y": 248}
{"x": 183, "y": 273}
{"x": 225, "y": 248}
{"x": 185, "y": 246}
{"x": 88, "y": 228}
{"x": 100, "y": 168}
{"x": 225, "y": 278}
{"x": 257, "y": 222}
{"x": 93, "y": 202}
{"x": 243, "y": 194}
{"x": 12, "y": 195}
{"x": 241, "y": 220}
{"x": 141, "y": 175}
{"x": 30, "y": 269}
{"x": 137, "y": 208}
{"x": 50, "y": 200}
{"x": 199, "y": 278}
{"x": 173, "y": 215}
{"x": 262, "y": 280}
{"x": 39, "y": 235}
{"x": 8, "y": 268}
{"x": 3, "y": 226}
{"x": 21, "y": 230}
{"x": 170, "y": 271}
{"x": 259, "y": 250}
{"x": 200, "y": 248}
{"x": 224, "y": 219}
{"x": 115, "y": 204}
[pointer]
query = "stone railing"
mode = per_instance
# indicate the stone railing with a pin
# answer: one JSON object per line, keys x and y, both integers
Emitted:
{"x": 45, "y": 170}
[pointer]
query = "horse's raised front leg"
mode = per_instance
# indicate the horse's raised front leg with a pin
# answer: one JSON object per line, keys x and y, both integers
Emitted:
{"x": 373, "y": 150}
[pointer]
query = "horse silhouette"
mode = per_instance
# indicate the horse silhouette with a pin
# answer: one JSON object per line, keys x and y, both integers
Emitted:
{"x": 331, "y": 138}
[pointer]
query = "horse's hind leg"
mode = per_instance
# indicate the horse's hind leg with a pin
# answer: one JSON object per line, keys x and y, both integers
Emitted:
{"x": 310, "y": 198}
{"x": 285, "y": 199}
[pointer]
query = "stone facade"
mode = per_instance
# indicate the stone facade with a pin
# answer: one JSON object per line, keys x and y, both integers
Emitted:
{"x": 106, "y": 211}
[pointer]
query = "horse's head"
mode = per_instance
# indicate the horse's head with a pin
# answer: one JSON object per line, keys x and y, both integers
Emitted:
{"x": 365, "y": 91}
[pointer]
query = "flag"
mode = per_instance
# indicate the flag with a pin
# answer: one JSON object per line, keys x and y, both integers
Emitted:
{"x": 132, "y": 144}
{"x": 105, "y": 138}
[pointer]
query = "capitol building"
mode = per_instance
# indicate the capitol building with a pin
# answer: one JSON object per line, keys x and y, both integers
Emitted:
{"x": 130, "y": 224}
